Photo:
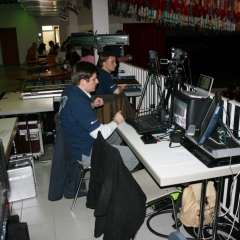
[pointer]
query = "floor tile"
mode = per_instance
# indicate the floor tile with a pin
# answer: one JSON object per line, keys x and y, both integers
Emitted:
{"x": 145, "y": 234}
{"x": 73, "y": 229}
{"x": 16, "y": 212}
{"x": 62, "y": 210}
{"x": 40, "y": 200}
{"x": 43, "y": 183}
{"x": 16, "y": 204}
{"x": 38, "y": 215}
{"x": 42, "y": 231}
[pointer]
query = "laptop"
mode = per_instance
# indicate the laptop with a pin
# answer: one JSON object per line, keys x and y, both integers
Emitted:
{"x": 203, "y": 88}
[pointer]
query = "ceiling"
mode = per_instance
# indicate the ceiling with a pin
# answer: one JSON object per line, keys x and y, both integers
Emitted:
{"x": 36, "y": 8}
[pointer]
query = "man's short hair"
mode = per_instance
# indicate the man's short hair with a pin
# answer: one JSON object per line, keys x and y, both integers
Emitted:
{"x": 51, "y": 43}
{"x": 104, "y": 56}
{"x": 120, "y": 32}
{"x": 83, "y": 70}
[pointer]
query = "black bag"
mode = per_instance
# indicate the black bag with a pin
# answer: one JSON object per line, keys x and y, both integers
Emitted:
{"x": 17, "y": 230}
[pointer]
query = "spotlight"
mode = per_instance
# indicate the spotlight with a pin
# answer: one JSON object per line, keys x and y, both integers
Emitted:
{"x": 73, "y": 7}
{"x": 39, "y": 36}
{"x": 63, "y": 16}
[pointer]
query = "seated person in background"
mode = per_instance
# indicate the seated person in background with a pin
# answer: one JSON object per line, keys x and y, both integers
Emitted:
{"x": 62, "y": 53}
{"x": 51, "y": 44}
{"x": 106, "y": 85}
{"x": 87, "y": 55}
{"x": 117, "y": 50}
{"x": 51, "y": 58}
{"x": 72, "y": 56}
{"x": 63, "y": 46}
{"x": 32, "y": 52}
{"x": 42, "y": 53}
{"x": 79, "y": 122}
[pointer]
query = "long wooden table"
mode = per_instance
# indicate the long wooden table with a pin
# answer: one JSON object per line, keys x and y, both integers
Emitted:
{"x": 43, "y": 75}
{"x": 35, "y": 67}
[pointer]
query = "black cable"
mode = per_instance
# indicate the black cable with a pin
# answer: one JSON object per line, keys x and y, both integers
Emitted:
{"x": 222, "y": 228}
{"x": 160, "y": 211}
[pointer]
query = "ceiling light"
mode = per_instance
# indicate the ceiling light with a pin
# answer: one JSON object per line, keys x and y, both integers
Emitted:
{"x": 73, "y": 7}
{"x": 62, "y": 15}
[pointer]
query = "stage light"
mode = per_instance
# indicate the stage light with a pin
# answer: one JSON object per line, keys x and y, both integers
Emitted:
{"x": 73, "y": 7}
{"x": 62, "y": 15}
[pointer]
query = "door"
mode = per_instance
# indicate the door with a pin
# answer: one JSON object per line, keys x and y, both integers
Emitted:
{"x": 9, "y": 46}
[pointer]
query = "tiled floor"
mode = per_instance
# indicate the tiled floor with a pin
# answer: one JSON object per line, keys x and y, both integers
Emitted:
{"x": 54, "y": 220}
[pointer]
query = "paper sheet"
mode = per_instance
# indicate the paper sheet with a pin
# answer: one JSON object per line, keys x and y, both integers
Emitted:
{"x": 172, "y": 158}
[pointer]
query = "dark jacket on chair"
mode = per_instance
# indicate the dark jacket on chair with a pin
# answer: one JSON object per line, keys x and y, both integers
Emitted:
{"x": 119, "y": 202}
{"x": 112, "y": 104}
{"x": 66, "y": 171}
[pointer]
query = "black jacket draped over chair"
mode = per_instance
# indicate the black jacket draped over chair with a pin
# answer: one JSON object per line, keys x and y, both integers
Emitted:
{"x": 66, "y": 170}
{"x": 119, "y": 202}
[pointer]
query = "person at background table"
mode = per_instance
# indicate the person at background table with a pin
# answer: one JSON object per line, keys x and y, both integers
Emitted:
{"x": 42, "y": 52}
{"x": 64, "y": 46}
{"x": 72, "y": 56}
{"x": 52, "y": 55}
{"x": 87, "y": 55}
{"x": 62, "y": 53}
{"x": 117, "y": 50}
{"x": 79, "y": 121}
{"x": 51, "y": 44}
{"x": 106, "y": 85}
{"x": 32, "y": 52}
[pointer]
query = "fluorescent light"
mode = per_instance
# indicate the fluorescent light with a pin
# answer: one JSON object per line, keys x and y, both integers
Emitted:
{"x": 47, "y": 28}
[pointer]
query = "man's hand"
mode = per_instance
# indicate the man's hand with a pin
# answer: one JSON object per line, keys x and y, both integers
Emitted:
{"x": 118, "y": 118}
{"x": 97, "y": 102}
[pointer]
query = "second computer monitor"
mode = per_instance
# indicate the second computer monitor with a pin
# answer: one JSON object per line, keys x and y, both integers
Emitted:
{"x": 189, "y": 111}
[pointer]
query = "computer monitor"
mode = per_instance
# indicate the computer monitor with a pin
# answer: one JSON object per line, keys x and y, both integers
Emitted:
{"x": 212, "y": 118}
{"x": 189, "y": 110}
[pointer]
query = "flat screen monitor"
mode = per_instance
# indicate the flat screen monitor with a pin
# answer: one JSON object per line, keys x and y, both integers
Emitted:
{"x": 212, "y": 118}
{"x": 189, "y": 110}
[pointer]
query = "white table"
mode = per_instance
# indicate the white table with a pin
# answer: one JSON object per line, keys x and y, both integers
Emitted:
{"x": 10, "y": 104}
{"x": 172, "y": 166}
{"x": 8, "y": 128}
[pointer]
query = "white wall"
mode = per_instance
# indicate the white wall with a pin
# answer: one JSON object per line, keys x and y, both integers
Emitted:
{"x": 13, "y": 15}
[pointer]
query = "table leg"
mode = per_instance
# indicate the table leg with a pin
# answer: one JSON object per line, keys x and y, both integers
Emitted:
{"x": 217, "y": 205}
{"x": 28, "y": 134}
{"x": 202, "y": 208}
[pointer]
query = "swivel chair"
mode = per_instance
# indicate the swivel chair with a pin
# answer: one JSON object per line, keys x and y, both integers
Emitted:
{"x": 154, "y": 192}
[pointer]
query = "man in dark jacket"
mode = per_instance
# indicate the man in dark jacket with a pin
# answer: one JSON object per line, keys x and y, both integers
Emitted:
{"x": 79, "y": 122}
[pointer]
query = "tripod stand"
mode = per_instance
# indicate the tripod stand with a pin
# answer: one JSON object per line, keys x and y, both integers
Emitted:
{"x": 152, "y": 77}
{"x": 173, "y": 79}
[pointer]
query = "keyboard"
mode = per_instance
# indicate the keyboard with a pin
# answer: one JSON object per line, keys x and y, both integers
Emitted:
{"x": 147, "y": 124}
